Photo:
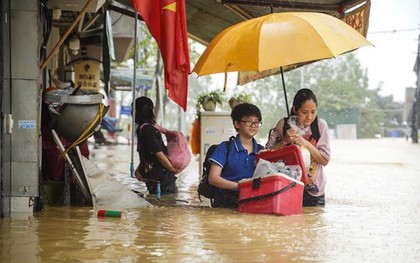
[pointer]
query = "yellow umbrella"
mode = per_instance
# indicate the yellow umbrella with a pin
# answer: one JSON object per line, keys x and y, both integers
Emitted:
{"x": 278, "y": 40}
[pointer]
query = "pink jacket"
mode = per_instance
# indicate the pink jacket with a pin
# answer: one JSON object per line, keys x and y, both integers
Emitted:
{"x": 323, "y": 146}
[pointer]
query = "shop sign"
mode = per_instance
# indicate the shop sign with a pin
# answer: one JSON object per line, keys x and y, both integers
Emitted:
{"x": 87, "y": 75}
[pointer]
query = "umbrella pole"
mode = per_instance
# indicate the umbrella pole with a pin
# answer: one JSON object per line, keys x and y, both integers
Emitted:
{"x": 284, "y": 90}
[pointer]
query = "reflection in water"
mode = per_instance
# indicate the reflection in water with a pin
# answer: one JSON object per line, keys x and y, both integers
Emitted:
{"x": 372, "y": 214}
{"x": 19, "y": 238}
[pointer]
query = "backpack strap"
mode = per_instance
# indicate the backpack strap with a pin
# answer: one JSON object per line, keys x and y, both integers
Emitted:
{"x": 160, "y": 128}
{"x": 286, "y": 126}
{"x": 228, "y": 148}
{"x": 259, "y": 147}
{"x": 144, "y": 124}
{"x": 156, "y": 126}
{"x": 227, "y": 143}
{"x": 141, "y": 126}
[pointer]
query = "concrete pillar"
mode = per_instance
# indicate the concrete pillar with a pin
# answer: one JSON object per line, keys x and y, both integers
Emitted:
{"x": 24, "y": 96}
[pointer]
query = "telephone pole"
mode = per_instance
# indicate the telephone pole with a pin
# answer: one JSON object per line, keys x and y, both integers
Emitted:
{"x": 415, "y": 118}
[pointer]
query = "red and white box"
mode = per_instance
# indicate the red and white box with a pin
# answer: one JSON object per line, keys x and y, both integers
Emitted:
{"x": 276, "y": 194}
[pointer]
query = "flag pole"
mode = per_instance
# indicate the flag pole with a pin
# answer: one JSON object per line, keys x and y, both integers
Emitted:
{"x": 134, "y": 97}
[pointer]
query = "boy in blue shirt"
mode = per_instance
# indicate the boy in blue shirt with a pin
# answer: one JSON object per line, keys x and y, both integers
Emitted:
{"x": 230, "y": 166}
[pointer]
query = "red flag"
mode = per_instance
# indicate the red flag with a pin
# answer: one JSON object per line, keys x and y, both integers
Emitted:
{"x": 167, "y": 24}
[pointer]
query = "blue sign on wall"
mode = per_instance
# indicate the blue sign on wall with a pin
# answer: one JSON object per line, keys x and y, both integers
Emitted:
{"x": 27, "y": 124}
{"x": 125, "y": 110}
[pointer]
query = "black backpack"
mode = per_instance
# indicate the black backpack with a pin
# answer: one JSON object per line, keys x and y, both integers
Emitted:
{"x": 205, "y": 188}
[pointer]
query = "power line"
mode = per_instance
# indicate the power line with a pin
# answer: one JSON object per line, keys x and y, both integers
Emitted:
{"x": 394, "y": 31}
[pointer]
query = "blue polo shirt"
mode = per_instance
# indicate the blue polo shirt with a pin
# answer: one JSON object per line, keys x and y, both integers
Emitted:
{"x": 239, "y": 164}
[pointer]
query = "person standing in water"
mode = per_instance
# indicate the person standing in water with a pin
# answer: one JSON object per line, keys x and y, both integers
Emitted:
{"x": 154, "y": 166}
{"x": 229, "y": 166}
{"x": 312, "y": 133}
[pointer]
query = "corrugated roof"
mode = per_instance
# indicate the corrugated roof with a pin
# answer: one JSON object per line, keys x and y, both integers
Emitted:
{"x": 207, "y": 18}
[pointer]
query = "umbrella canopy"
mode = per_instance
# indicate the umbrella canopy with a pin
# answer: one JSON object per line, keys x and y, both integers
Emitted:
{"x": 278, "y": 40}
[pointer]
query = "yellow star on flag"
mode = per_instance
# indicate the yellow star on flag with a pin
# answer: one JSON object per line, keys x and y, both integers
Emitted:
{"x": 171, "y": 7}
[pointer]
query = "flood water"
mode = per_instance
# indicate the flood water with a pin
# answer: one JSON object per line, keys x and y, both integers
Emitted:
{"x": 372, "y": 215}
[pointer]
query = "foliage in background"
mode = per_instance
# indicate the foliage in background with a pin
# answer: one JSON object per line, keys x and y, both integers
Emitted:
{"x": 216, "y": 96}
{"x": 342, "y": 90}
{"x": 341, "y": 87}
{"x": 147, "y": 49}
{"x": 241, "y": 96}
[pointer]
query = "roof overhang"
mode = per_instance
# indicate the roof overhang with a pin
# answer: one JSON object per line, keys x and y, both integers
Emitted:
{"x": 207, "y": 18}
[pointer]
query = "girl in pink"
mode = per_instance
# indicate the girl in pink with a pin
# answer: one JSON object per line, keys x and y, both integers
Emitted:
{"x": 310, "y": 132}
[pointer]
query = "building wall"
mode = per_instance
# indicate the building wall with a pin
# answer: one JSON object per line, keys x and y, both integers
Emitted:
{"x": 21, "y": 160}
{"x": 4, "y": 106}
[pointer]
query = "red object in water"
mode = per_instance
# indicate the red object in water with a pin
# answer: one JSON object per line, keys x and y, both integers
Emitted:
{"x": 110, "y": 213}
{"x": 101, "y": 212}
{"x": 275, "y": 194}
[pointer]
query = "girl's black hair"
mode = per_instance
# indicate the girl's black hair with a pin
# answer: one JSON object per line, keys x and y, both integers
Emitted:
{"x": 301, "y": 97}
{"x": 144, "y": 111}
{"x": 245, "y": 109}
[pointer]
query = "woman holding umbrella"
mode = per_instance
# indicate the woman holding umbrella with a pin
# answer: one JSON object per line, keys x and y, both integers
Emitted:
{"x": 305, "y": 129}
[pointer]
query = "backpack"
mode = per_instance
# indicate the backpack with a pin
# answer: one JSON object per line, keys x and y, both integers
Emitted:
{"x": 204, "y": 187}
{"x": 178, "y": 150}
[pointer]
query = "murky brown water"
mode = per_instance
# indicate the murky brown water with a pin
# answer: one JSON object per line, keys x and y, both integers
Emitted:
{"x": 372, "y": 215}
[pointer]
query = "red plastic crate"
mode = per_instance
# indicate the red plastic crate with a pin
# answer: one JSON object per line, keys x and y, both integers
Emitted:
{"x": 290, "y": 155}
{"x": 274, "y": 194}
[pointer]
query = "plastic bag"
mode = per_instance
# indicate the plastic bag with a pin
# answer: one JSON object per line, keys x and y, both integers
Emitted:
{"x": 294, "y": 123}
{"x": 306, "y": 156}
{"x": 265, "y": 167}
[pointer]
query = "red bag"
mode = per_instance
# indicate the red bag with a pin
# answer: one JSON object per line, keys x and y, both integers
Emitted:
{"x": 178, "y": 151}
{"x": 291, "y": 155}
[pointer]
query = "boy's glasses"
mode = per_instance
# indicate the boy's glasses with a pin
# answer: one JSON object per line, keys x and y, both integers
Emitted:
{"x": 252, "y": 123}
